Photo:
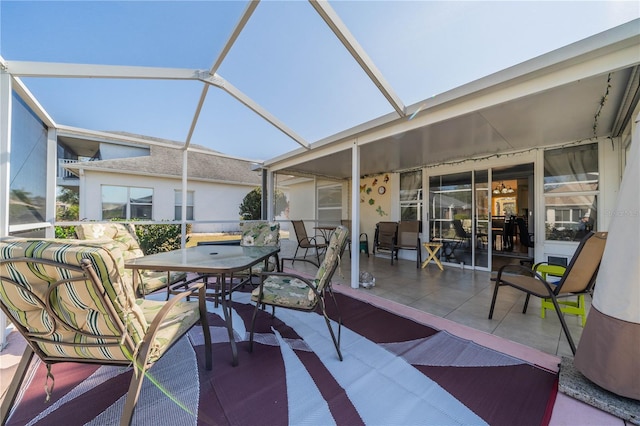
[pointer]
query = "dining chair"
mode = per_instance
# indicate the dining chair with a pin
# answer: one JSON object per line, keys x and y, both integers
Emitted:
{"x": 317, "y": 243}
{"x": 579, "y": 278}
{"x": 72, "y": 302}
{"x": 526, "y": 237}
{"x": 408, "y": 238}
{"x": 291, "y": 291}
{"x": 124, "y": 234}
{"x": 463, "y": 237}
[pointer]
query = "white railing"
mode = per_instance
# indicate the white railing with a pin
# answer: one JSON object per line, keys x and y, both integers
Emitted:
{"x": 64, "y": 173}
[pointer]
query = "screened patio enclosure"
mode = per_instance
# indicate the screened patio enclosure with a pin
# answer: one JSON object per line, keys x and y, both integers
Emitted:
{"x": 584, "y": 92}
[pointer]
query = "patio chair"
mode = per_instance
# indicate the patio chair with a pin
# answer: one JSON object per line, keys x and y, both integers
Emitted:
{"x": 347, "y": 223}
{"x": 261, "y": 234}
{"x": 296, "y": 292}
{"x": 386, "y": 234}
{"x": 125, "y": 236}
{"x": 317, "y": 243}
{"x": 408, "y": 238}
{"x": 72, "y": 302}
{"x": 579, "y": 278}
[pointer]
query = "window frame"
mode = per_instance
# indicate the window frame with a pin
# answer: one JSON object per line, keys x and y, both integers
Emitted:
{"x": 128, "y": 203}
{"x": 177, "y": 207}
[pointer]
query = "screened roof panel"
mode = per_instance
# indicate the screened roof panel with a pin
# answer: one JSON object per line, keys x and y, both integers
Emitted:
{"x": 227, "y": 126}
{"x": 119, "y": 104}
{"x": 286, "y": 59}
{"x": 428, "y": 47}
{"x": 143, "y": 33}
{"x": 290, "y": 62}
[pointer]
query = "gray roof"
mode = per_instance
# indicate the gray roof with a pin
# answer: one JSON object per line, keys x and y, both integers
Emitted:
{"x": 167, "y": 162}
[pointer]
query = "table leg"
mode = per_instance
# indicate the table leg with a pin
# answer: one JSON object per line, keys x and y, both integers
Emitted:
{"x": 228, "y": 317}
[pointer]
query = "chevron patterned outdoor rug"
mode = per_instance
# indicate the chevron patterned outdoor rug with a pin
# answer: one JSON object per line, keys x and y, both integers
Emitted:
{"x": 396, "y": 371}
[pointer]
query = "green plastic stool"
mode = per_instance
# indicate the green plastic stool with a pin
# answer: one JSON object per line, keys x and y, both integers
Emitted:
{"x": 566, "y": 306}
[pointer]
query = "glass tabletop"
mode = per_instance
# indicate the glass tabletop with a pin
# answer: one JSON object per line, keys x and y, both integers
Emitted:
{"x": 204, "y": 259}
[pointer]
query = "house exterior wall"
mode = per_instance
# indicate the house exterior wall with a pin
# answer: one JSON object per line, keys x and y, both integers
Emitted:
{"x": 376, "y": 207}
{"x": 111, "y": 151}
{"x": 212, "y": 201}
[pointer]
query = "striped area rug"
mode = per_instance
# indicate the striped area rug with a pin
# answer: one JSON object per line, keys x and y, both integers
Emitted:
{"x": 395, "y": 372}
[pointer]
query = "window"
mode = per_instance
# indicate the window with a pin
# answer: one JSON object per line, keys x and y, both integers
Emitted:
{"x": 571, "y": 187}
{"x": 329, "y": 204}
{"x": 450, "y": 198}
{"x": 411, "y": 195}
{"x": 178, "y": 205}
{"x": 28, "y": 178}
{"x": 122, "y": 202}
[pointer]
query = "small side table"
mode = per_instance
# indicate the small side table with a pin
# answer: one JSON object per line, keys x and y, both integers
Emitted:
{"x": 432, "y": 250}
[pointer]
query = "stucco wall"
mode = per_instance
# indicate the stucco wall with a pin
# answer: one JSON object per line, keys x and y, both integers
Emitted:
{"x": 212, "y": 201}
{"x": 374, "y": 206}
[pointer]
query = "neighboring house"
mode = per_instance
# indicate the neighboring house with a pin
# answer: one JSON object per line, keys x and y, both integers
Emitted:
{"x": 147, "y": 185}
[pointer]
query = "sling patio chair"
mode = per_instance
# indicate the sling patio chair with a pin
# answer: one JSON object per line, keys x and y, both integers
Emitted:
{"x": 72, "y": 302}
{"x": 317, "y": 243}
{"x": 386, "y": 234}
{"x": 124, "y": 234}
{"x": 293, "y": 291}
{"x": 579, "y": 278}
{"x": 408, "y": 238}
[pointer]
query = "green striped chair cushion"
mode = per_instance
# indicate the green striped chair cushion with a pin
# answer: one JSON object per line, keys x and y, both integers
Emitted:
{"x": 78, "y": 302}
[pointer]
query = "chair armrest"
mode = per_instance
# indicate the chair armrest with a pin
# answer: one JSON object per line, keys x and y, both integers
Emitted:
{"x": 297, "y": 259}
{"x": 305, "y": 280}
{"x": 159, "y": 318}
{"x": 517, "y": 269}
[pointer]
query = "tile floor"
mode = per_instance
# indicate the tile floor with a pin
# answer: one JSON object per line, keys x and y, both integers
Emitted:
{"x": 460, "y": 295}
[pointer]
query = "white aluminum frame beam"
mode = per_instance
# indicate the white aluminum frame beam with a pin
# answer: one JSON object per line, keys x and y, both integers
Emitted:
{"x": 331, "y": 18}
{"x": 54, "y": 69}
{"x": 221, "y": 83}
{"x": 214, "y": 68}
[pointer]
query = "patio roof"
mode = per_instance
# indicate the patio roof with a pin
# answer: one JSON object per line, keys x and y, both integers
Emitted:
{"x": 584, "y": 91}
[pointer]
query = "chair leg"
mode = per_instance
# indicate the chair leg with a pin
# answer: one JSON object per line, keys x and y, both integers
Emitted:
{"x": 16, "y": 382}
{"x": 336, "y": 342}
{"x": 132, "y": 395}
{"x": 493, "y": 300}
{"x": 253, "y": 324}
{"x": 564, "y": 325}
{"x": 206, "y": 332}
{"x": 526, "y": 304}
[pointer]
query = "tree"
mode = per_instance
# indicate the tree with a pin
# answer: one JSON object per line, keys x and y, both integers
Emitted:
{"x": 68, "y": 205}
{"x": 251, "y": 206}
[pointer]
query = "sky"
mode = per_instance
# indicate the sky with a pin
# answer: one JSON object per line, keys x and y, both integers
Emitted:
{"x": 286, "y": 59}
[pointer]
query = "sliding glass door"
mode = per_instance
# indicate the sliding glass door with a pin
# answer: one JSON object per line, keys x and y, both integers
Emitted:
{"x": 459, "y": 217}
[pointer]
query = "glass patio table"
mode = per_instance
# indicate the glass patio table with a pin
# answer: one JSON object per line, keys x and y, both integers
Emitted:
{"x": 220, "y": 261}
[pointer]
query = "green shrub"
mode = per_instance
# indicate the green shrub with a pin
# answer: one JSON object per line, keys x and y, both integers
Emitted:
{"x": 160, "y": 238}
{"x": 65, "y": 232}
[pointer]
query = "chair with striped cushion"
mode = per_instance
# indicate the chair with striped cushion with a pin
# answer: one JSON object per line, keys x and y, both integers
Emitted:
{"x": 124, "y": 234}
{"x": 72, "y": 302}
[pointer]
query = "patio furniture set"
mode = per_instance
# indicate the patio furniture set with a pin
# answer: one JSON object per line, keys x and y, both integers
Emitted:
{"x": 84, "y": 300}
